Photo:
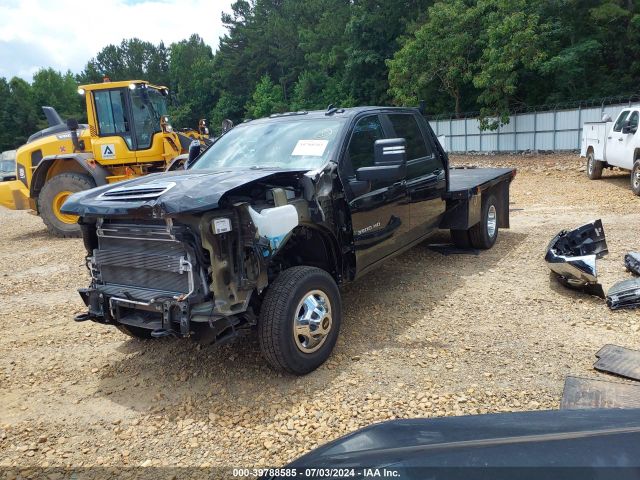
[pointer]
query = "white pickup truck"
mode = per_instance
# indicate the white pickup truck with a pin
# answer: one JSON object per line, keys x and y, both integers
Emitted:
{"x": 613, "y": 144}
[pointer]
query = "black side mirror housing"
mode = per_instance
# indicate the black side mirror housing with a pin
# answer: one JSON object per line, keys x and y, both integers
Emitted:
{"x": 390, "y": 161}
{"x": 194, "y": 152}
{"x": 627, "y": 128}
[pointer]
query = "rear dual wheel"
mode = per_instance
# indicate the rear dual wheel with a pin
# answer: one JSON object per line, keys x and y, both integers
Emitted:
{"x": 55, "y": 192}
{"x": 484, "y": 234}
{"x": 594, "y": 167}
{"x": 635, "y": 178}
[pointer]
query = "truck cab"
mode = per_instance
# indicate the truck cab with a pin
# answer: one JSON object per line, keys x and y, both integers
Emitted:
{"x": 616, "y": 143}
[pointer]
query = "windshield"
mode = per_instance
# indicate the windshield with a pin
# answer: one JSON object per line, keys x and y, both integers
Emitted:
{"x": 148, "y": 105}
{"x": 296, "y": 143}
{"x": 7, "y": 166}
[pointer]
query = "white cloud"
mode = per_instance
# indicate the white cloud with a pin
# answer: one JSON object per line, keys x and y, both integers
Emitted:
{"x": 64, "y": 34}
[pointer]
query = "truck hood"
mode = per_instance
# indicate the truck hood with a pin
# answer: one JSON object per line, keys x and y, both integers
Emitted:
{"x": 165, "y": 194}
{"x": 496, "y": 446}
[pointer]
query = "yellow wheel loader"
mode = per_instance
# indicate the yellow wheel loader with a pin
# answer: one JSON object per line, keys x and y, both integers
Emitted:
{"x": 128, "y": 134}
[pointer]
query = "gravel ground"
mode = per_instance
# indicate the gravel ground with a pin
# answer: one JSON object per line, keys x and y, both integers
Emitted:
{"x": 426, "y": 335}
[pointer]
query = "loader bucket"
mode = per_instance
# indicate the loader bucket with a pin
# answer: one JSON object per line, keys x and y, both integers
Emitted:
{"x": 14, "y": 195}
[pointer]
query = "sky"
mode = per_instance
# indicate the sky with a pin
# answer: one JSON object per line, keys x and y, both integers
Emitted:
{"x": 65, "y": 34}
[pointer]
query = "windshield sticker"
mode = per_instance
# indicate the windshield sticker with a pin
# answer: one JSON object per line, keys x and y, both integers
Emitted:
{"x": 311, "y": 148}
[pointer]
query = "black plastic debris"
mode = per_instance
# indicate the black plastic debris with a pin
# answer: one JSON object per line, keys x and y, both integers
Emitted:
{"x": 624, "y": 294}
{"x": 582, "y": 393}
{"x": 632, "y": 262}
{"x": 572, "y": 255}
{"x": 618, "y": 361}
{"x": 447, "y": 249}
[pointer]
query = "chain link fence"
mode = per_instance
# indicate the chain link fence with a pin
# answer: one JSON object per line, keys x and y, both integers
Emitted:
{"x": 542, "y": 128}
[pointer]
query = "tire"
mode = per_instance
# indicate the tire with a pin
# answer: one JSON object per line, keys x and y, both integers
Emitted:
{"x": 484, "y": 234}
{"x": 460, "y": 238}
{"x": 135, "y": 332}
{"x": 51, "y": 197}
{"x": 284, "y": 305}
{"x": 635, "y": 178}
{"x": 594, "y": 167}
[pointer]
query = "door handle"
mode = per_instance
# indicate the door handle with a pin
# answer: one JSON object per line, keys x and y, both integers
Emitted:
{"x": 619, "y": 139}
{"x": 609, "y": 138}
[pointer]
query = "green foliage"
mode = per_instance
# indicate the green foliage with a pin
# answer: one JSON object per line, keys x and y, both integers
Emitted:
{"x": 489, "y": 56}
{"x": 266, "y": 99}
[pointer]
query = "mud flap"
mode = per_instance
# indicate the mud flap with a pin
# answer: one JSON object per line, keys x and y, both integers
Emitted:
{"x": 619, "y": 361}
{"x": 582, "y": 393}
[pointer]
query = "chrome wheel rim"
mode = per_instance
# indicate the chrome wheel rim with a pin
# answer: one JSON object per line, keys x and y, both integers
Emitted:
{"x": 492, "y": 221}
{"x": 590, "y": 164}
{"x": 636, "y": 178}
{"x": 312, "y": 322}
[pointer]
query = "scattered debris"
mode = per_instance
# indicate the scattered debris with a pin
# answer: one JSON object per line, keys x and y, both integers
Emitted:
{"x": 619, "y": 361}
{"x": 581, "y": 393}
{"x": 632, "y": 262}
{"x": 447, "y": 249}
{"x": 572, "y": 255}
{"x": 624, "y": 294}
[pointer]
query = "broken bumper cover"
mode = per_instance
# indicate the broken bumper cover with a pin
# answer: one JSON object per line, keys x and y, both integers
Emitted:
{"x": 572, "y": 255}
{"x": 625, "y": 294}
{"x": 632, "y": 262}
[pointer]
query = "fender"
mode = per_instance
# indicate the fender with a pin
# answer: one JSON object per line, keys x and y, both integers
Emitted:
{"x": 85, "y": 160}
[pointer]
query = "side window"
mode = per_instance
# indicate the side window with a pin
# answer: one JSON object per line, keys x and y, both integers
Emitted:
{"x": 420, "y": 159}
{"x": 633, "y": 122}
{"x": 406, "y": 127}
{"x": 621, "y": 118}
{"x": 364, "y": 136}
{"x": 112, "y": 119}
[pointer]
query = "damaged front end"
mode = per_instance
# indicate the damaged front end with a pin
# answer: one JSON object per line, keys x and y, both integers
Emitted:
{"x": 572, "y": 255}
{"x": 197, "y": 274}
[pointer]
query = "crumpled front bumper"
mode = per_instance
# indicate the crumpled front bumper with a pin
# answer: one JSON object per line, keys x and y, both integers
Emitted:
{"x": 572, "y": 255}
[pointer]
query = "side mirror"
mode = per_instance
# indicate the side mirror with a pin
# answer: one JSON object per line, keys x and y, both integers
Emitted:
{"x": 627, "y": 128}
{"x": 607, "y": 118}
{"x": 390, "y": 161}
{"x": 194, "y": 152}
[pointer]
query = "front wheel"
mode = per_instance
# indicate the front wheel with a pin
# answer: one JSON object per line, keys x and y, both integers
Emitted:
{"x": 594, "y": 167}
{"x": 635, "y": 178}
{"x": 300, "y": 320}
{"x": 53, "y": 195}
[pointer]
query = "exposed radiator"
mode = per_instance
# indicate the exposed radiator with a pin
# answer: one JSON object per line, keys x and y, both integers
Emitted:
{"x": 141, "y": 261}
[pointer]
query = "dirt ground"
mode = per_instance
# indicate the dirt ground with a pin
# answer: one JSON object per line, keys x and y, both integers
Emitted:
{"x": 426, "y": 335}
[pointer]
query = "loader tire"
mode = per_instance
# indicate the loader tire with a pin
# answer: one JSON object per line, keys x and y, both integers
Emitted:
{"x": 54, "y": 193}
{"x": 299, "y": 320}
{"x": 594, "y": 167}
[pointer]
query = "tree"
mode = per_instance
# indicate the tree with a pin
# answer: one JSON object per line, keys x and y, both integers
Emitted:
{"x": 20, "y": 111}
{"x": 53, "y": 89}
{"x": 266, "y": 99}
{"x": 443, "y": 52}
{"x": 191, "y": 80}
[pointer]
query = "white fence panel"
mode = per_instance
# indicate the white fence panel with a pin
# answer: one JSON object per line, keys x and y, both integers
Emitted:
{"x": 545, "y": 130}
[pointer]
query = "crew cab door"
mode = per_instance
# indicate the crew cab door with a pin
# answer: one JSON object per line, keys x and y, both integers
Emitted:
{"x": 426, "y": 176}
{"x": 621, "y": 141}
{"x": 379, "y": 208}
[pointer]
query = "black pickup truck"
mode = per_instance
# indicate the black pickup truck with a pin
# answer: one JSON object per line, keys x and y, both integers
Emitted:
{"x": 258, "y": 232}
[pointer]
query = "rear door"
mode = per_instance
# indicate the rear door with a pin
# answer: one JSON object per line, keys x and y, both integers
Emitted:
{"x": 379, "y": 209}
{"x": 616, "y": 141}
{"x": 426, "y": 177}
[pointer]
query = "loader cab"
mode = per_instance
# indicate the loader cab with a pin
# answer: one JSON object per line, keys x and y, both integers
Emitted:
{"x": 127, "y": 121}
